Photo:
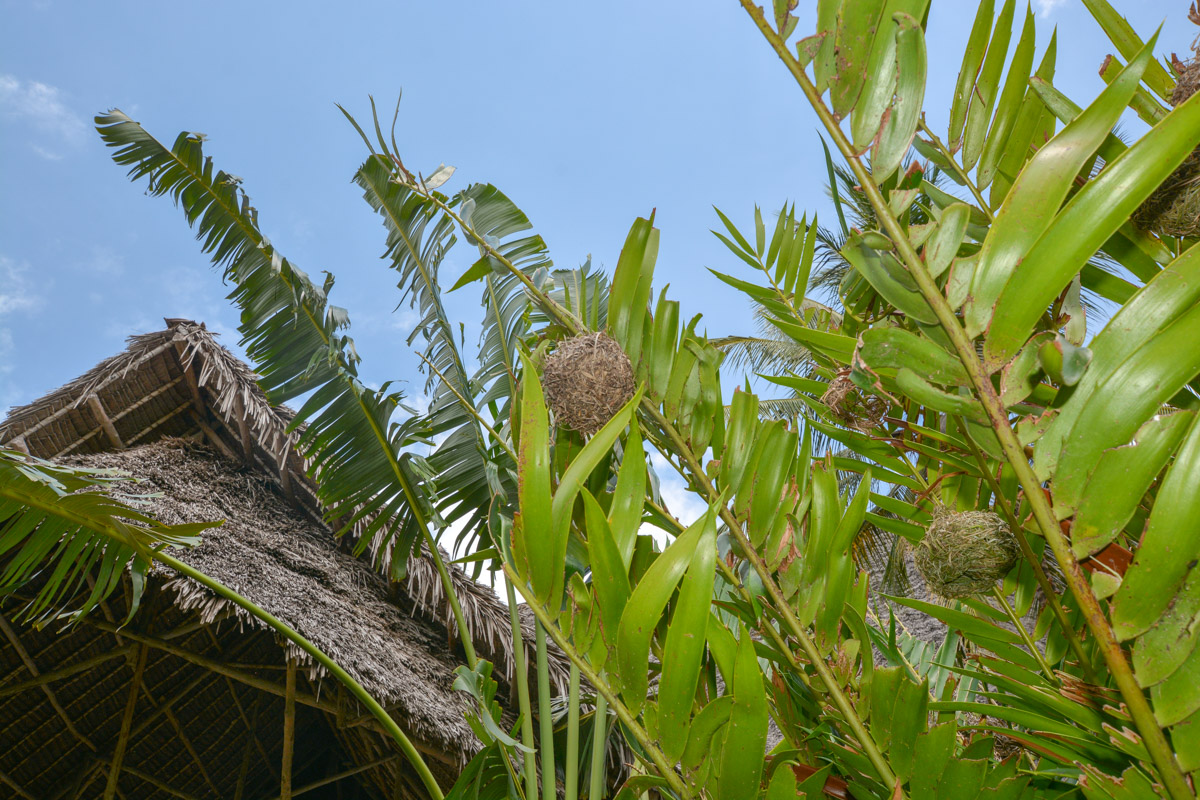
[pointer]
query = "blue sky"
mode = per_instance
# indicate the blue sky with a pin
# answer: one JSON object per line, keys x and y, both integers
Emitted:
{"x": 587, "y": 115}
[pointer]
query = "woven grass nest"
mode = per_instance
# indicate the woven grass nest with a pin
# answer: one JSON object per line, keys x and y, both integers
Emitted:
{"x": 854, "y": 408}
{"x": 965, "y": 552}
{"x": 586, "y": 380}
{"x": 1174, "y": 208}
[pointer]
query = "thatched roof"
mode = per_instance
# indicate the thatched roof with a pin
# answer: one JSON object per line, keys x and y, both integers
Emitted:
{"x": 186, "y": 417}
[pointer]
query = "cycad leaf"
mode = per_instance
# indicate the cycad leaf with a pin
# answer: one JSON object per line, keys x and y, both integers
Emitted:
{"x": 1034, "y": 200}
{"x": 1087, "y": 222}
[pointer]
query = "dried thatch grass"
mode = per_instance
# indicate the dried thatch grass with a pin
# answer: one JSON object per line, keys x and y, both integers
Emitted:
{"x": 188, "y": 418}
{"x": 146, "y": 391}
{"x": 965, "y": 552}
{"x": 587, "y": 379}
{"x": 293, "y": 568}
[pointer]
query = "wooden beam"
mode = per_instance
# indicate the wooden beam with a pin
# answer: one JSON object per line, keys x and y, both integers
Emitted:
{"x": 64, "y": 672}
{"x": 189, "y": 375}
{"x": 252, "y": 726}
{"x": 289, "y": 732}
{"x": 187, "y": 690}
{"x": 166, "y": 387}
{"x": 76, "y": 443}
{"x": 219, "y": 667}
{"x": 215, "y": 438}
{"x": 285, "y": 475}
{"x": 251, "y": 740}
{"x": 16, "y": 787}
{"x": 114, "y": 771}
{"x": 106, "y": 424}
{"x": 71, "y": 406}
{"x": 169, "y": 415}
{"x": 183, "y": 738}
{"x": 325, "y": 704}
{"x": 346, "y": 773}
{"x": 15, "y": 641}
{"x": 158, "y": 784}
{"x": 19, "y": 445}
{"x": 78, "y": 781}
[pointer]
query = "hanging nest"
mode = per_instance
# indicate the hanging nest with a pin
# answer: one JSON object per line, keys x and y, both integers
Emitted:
{"x": 587, "y": 379}
{"x": 965, "y": 552}
{"x": 860, "y": 411}
{"x": 1174, "y": 208}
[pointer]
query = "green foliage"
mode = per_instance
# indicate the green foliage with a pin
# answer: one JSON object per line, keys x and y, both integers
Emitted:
{"x": 57, "y": 523}
{"x": 953, "y": 337}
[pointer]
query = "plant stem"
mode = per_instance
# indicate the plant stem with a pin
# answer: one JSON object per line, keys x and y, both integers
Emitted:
{"x": 574, "y": 326}
{"x": 599, "y": 747}
{"x": 470, "y": 408}
{"x": 545, "y": 714}
{"x": 1135, "y": 699}
{"x": 779, "y": 602}
{"x": 1024, "y": 634}
{"x": 571, "y": 765}
{"x": 521, "y": 676}
{"x": 1033, "y": 559}
{"x": 946, "y": 154}
{"x": 602, "y": 686}
{"x": 377, "y": 711}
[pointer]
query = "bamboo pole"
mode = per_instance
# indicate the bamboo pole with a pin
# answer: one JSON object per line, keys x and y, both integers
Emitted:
{"x": 101, "y": 413}
{"x": 65, "y": 672}
{"x": 346, "y": 773}
{"x": 114, "y": 771}
{"x": 289, "y": 732}
{"x": 183, "y": 738}
{"x": 247, "y": 751}
{"x": 16, "y": 787}
{"x": 158, "y": 784}
{"x": 27, "y": 660}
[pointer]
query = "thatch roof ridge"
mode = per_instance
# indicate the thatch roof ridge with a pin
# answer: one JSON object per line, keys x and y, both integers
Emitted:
{"x": 153, "y": 382}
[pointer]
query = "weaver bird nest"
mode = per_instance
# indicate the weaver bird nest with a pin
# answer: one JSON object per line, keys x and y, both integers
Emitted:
{"x": 587, "y": 379}
{"x": 965, "y": 552}
{"x": 850, "y": 406}
{"x": 1174, "y": 208}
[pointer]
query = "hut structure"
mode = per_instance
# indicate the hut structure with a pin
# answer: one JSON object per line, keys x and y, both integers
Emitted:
{"x": 194, "y": 699}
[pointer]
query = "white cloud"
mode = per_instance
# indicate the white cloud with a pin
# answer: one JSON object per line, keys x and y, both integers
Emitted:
{"x": 106, "y": 261}
{"x": 1046, "y": 7}
{"x": 405, "y": 320}
{"x": 16, "y": 290}
{"x": 679, "y": 500}
{"x": 41, "y": 106}
{"x": 17, "y": 295}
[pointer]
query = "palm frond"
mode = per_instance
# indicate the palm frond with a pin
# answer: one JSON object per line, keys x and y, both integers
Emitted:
{"x": 418, "y": 238}
{"x": 297, "y": 341}
{"x": 782, "y": 408}
{"x": 57, "y": 530}
{"x": 759, "y": 354}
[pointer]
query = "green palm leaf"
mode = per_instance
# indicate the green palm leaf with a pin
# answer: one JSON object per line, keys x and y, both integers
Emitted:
{"x": 297, "y": 341}
{"x": 56, "y": 530}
